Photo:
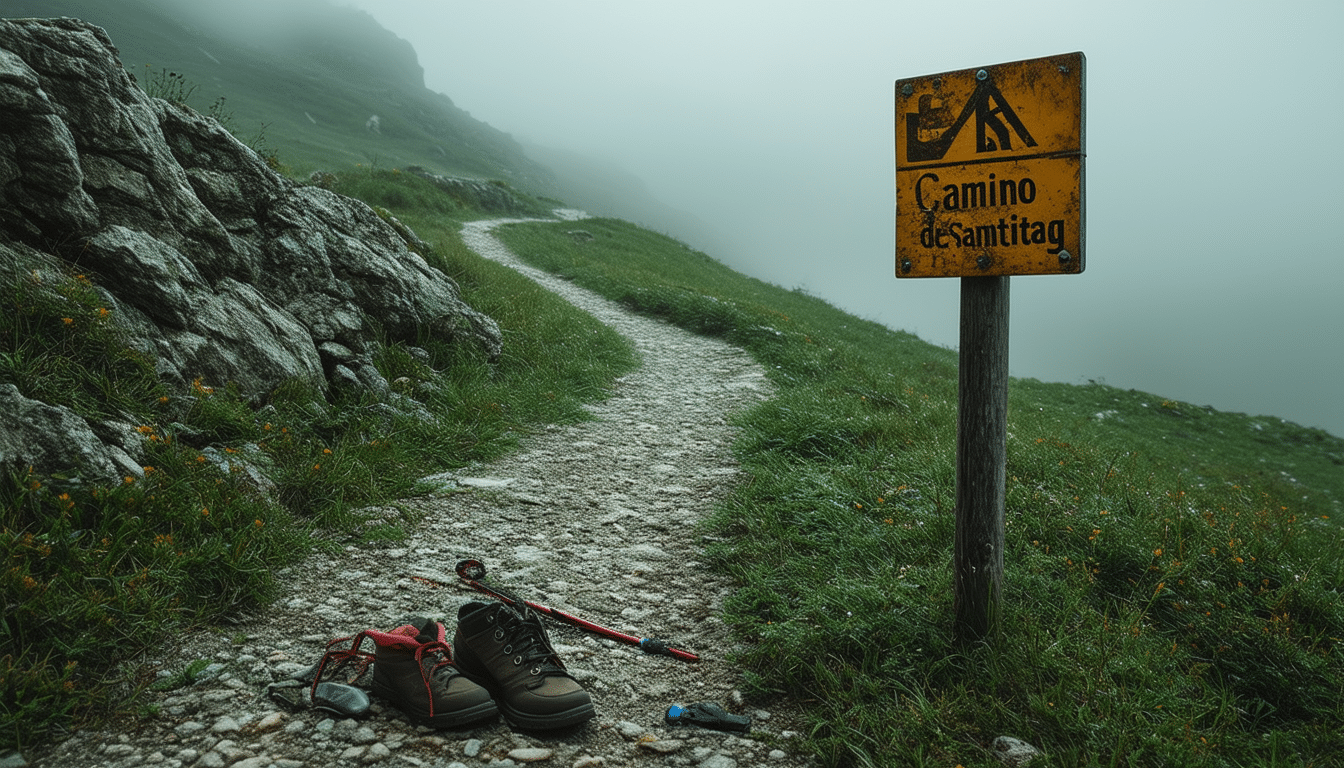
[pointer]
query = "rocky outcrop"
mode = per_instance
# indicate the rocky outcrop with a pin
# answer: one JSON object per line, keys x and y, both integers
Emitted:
{"x": 490, "y": 196}
{"x": 214, "y": 264}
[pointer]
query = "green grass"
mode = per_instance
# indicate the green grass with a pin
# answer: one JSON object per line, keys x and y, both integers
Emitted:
{"x": 1172, "y": 584}
{"x": 1171, "y": 594}
{"x": 92, "y": 574}
{"x": 1172, "y": 587}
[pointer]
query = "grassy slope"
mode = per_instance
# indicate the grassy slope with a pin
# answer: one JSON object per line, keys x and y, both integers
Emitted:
{"x": 1172, "y": 588}
{"x": 303, "y": 90}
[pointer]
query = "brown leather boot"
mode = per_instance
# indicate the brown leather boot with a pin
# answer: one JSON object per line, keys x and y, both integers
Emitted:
{"x": 506, "y": 650}
{"x": 413, "y": 669}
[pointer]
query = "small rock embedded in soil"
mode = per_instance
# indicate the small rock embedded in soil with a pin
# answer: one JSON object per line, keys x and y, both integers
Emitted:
{"x": 530, "y": 755}
{"x": 1013, "y": 752}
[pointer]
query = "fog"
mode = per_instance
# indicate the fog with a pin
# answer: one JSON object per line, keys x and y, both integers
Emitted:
{"x": 1214, "y": 162}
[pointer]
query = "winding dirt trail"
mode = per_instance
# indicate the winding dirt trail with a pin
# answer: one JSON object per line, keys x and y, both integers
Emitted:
{"x": 596, "y": 519}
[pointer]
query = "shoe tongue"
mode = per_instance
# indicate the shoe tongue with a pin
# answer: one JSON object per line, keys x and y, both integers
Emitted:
{"x": 503, "y": 613}
{"x": 428, "y": 631}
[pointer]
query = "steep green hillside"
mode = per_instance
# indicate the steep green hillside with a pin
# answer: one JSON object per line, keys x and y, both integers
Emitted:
{"x": 1172, "y": 590}
{"x": 300, "y": 80}
{"x": 303, "y": 79}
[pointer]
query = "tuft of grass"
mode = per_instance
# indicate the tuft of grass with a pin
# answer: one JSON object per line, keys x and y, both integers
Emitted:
{"x": 60, "y": 344}
{"x": 170, "y": 86}
{"x": 235, "y": 487}
{"x": 92, "y": 573}
{"x": 1172, "y": 588}
{"x": 182, "y": 678}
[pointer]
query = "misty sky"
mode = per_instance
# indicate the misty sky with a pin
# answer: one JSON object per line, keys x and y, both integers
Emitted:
{"x": 1215, "y": 162}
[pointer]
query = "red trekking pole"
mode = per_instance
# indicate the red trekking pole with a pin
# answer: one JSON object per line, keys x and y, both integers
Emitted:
{"x": 471, "y": 571}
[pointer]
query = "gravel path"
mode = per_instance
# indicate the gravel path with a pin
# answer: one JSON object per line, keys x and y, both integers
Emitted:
{"x": 595, "y": 519}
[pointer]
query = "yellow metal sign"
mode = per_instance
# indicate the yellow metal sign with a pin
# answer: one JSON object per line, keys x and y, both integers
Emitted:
{"x": 989, "y": 170}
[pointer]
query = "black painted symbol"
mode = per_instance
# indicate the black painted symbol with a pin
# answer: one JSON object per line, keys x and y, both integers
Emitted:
{"x": 929, "y": 133}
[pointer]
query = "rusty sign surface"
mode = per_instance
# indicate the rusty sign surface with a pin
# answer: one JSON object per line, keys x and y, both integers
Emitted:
{"x": 989, "y": 170}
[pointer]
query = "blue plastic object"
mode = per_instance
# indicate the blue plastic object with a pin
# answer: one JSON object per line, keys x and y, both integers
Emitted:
{"x": 706, "y": 715}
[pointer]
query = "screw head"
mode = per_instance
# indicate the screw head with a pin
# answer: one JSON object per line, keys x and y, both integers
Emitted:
{"x": 982, "y": 75}
{"x": 983, "y": 261}
{"x": 1065, "y": 257}
{"x": 906, "y": 266}
{"x": 907, "y": 90}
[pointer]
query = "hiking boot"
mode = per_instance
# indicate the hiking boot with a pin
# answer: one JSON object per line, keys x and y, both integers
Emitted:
{"x": 413, "y": 669}
{"x": 506, "y": 650}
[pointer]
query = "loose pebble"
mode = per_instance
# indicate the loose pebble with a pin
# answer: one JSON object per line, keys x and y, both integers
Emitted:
{"x": 663, "y": 746}
{"x": 270, "y": 722}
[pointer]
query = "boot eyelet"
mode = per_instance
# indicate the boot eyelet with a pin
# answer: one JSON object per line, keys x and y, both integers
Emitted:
{"x": 508, "y": 649}
{"x": 499, "y": 634}
{"x": 517, "y": 661}
{"x": 536, "y": 670}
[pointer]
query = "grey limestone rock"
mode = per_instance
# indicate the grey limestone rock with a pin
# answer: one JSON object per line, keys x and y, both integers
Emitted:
{"x": 36, "y": 434}
{"x": 1014, "y": 752}
{"x": 220, "y": 268}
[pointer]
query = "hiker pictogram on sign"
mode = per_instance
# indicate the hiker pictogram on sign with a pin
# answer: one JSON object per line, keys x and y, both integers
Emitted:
{"x": 930, "y": 131}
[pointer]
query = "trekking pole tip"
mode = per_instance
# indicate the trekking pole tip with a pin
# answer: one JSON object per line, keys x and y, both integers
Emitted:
{"x": 661, "y": 647}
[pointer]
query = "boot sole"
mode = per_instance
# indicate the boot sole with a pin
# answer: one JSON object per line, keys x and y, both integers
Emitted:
{"x": 556, "y": 720}
{"x": 453, "y": 719}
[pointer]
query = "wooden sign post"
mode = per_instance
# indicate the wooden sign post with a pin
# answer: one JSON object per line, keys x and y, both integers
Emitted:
{"x": 1005, "y": 198}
